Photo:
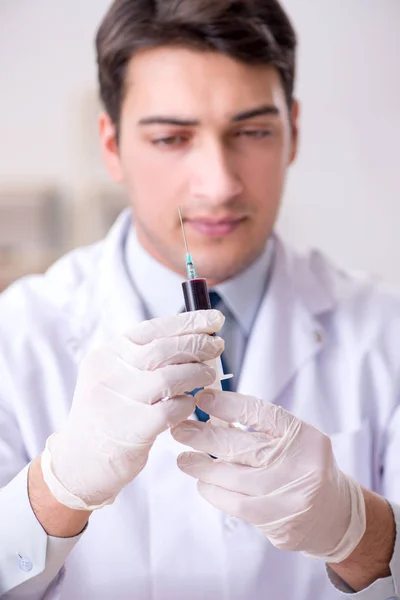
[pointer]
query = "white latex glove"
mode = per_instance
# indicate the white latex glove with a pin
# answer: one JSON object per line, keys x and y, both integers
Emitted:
{"x": 283, "y": 477}
{"x": 117, "y": 411}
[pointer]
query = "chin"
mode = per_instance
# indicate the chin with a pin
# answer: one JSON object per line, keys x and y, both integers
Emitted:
{"x": 217, "y": 271}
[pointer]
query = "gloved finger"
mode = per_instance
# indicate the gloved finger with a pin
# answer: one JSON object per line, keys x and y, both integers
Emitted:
{"x": 247, "y": 410}
{"x": 151, "y": 386}
{"x": 154, "y": 419}
{"x": 231, "y": 476}
{"x": 190, "y": 348}
{"x": 272, "y": 515}
{"x": 233, "y": 503}
{"x": 198, "y": 321}
{"x": 175, "y": 410}
{"x": 229, "y": 444}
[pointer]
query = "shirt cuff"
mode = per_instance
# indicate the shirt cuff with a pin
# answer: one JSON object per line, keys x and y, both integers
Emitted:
{"x": 29, "y": 559}
{"x": 387, "y": 588}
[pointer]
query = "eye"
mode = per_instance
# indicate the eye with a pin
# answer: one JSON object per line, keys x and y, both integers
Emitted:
{"x": 254, "y": 133}
{"x": 172, "y": 140}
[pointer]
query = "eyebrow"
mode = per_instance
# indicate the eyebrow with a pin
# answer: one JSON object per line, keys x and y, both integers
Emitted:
{"x": 242, "y": 116}
{"x": 256, "y": 112}
{"x": 169, "y": 121}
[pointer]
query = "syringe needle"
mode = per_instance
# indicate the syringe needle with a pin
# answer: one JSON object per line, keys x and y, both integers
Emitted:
{"x": 190, "y": 270}
{"x": 183, "y": 230}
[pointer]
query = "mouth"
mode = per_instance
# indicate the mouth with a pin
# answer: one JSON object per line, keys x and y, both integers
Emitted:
{"x": 215, "y": 227}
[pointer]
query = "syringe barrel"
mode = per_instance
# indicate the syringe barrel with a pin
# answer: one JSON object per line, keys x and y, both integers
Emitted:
{"x": 196, "y": 295}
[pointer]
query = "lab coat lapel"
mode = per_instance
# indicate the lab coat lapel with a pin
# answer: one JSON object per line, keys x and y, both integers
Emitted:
{"x": 113, "y": 307}
{"x": 287, "y": 332}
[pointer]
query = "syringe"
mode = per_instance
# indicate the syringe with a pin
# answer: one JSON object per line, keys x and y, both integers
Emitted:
{"x": 196, "y": 296}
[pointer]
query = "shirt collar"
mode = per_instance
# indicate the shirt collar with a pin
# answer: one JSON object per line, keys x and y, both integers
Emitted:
{"x": 243, "y": 293}
{"x": 161, "y": 289}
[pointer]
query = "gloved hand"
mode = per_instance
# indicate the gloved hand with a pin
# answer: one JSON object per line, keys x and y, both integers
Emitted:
{"x": 283, "y": 477}
{"x": 117, "y": 411}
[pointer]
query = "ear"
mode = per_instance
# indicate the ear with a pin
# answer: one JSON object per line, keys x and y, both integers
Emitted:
{"x": 295, "y": 112}
{"x": 109, "y": 147}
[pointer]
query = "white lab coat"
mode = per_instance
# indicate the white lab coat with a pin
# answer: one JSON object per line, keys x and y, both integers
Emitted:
{"x": 324, "y": 346}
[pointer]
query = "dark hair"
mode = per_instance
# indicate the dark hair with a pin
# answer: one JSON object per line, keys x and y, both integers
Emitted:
{"x": 251, "y": 31}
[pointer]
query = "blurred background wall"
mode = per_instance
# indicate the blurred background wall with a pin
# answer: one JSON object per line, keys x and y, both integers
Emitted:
{"x": 342, "y": 194}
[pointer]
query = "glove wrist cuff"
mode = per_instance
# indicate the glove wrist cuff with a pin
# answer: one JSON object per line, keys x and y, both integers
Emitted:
{"x": 355, "y": 530}
{"x": 58, "y": 490}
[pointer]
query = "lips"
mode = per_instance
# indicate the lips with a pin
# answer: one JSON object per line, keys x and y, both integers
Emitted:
{"x": 215, "y": 228}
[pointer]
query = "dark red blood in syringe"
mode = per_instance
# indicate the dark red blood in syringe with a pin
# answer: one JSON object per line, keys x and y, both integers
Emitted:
{"x": 196, "y": 294}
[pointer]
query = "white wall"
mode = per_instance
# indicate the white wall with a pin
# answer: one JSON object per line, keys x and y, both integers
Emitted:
{"x": 342, "y": 194}
{"x": 47, "y": 78}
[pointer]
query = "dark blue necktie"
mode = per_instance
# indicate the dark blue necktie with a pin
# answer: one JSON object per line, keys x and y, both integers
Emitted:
{"x": 215, "y": 300}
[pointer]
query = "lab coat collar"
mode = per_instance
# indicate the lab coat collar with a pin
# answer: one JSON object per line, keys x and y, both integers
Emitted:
{"x": 121, "y": 307}
{"x": 105, "y": 304}
{"x": 287, "y": 331}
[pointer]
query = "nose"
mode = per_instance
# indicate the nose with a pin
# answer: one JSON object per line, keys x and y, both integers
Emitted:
{"x": 214, "y": 178}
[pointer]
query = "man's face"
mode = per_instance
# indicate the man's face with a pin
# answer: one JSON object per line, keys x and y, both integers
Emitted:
{"x": 211, "y": 135}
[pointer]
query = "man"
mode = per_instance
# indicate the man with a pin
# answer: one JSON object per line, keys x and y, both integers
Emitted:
{"x": 199, "y": 112}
